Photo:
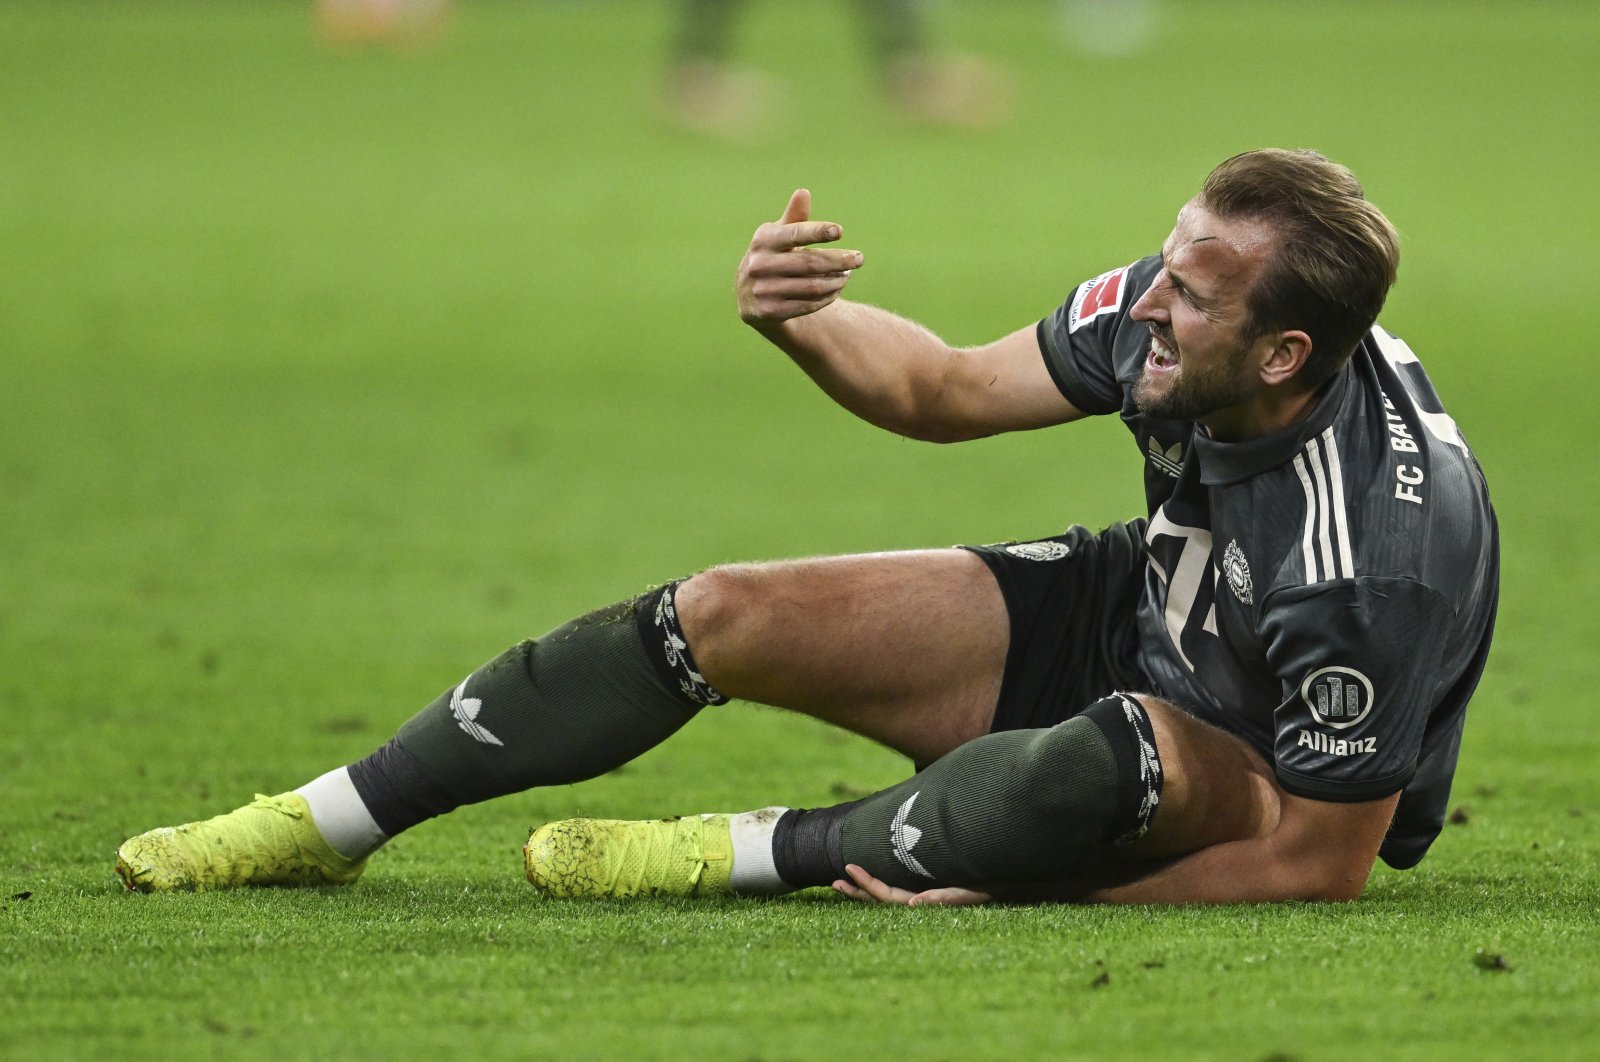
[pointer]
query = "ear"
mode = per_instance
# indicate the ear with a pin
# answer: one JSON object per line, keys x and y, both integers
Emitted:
{"x": 1288, "y": 356}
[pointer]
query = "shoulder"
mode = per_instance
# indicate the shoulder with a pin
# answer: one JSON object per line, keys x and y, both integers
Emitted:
{"x": 1387, "y": 489}
{"x": 1090, "y": 343}
{"x": 1424, "y": 509}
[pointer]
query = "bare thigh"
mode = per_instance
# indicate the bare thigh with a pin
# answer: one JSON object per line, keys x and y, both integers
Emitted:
{"x": 906, "y": 648}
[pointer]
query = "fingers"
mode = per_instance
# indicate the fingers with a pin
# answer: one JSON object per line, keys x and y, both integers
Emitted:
{"x": 809, "y": 261}
{"x": 864, "y": 887}
{"x": 951, "y": 897}
{"x": 795, "y": 229}
{"x": 845, "y": 888}
{"x": 783, "y": 276}
{"x": 799, "y": 208}
{"x": 775, "y": 292}
{"x": 781, "y": 237}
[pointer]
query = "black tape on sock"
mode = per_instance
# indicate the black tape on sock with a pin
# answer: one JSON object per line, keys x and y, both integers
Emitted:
{"x": 669, "y": 649}
{"x": 1126, "y": 726}
{"x": 397, "y": 793}
{"x": 808, "y": 845}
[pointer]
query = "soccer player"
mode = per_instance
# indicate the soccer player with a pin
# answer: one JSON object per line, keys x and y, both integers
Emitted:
{"x": 707, "y": 93}
{"x": 1250, "y": 694}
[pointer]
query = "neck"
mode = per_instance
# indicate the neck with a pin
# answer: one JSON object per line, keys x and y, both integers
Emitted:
{"x": 1270, "y": 410}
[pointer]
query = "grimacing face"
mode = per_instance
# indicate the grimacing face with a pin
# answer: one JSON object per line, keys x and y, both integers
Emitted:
{"x": 1200, "y": 365}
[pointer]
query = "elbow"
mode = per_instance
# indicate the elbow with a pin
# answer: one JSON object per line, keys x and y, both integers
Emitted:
{"x": 942, "y": 434}
{"x": 1330, "y": 883}
{"x": 936, "y": 409}
{"x": 1341, "y": 891}
{"x": 1325, "y": 852}
{"x": 930, "y": 429}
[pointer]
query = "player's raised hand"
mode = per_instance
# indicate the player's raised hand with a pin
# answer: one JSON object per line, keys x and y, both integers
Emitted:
{"x": 782, "y": 276}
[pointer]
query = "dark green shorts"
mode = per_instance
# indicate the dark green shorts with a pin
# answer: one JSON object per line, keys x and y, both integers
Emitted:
{"x": 1074, "y": 640}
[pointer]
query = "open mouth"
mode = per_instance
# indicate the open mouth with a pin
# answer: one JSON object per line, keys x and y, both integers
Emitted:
{"x": 1162, "y": 357}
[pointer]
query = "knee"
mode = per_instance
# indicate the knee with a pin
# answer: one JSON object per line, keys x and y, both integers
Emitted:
{"x": 716, "y": 605}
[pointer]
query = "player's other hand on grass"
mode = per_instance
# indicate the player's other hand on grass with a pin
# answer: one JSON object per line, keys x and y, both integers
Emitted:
{"x": 782, "y": 276}
{"x": 865, "y": 887}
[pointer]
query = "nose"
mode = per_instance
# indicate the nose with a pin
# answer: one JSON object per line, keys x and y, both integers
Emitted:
{"x": 1151, "y": 306}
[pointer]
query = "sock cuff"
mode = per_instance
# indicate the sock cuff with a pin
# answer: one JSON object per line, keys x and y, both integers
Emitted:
{"x": 1125, "y": 724}
{"x": 808, "y": 845}
{"x": 668, "y": 649}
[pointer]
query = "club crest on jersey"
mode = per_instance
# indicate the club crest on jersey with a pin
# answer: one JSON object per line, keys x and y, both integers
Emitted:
{"x": 1237, "y": 571}
{"x": 1039, "y": 551}
{"x": 1102, "y": 295}
{"x": 1339, "y": 697}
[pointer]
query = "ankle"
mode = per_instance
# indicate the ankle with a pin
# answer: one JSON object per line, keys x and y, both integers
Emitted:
{"x": 808, "y": 845}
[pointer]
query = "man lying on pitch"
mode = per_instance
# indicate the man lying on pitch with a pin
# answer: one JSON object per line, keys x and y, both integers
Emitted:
{"x": 1249, "y": 694}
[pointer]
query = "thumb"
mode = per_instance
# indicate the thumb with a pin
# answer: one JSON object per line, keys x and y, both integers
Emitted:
{"x": 799, "y": 208}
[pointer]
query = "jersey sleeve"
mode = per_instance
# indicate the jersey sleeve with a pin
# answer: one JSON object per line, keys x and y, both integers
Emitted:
{"x": 1359, "y": 660}
{"x": 1080, "y": 340}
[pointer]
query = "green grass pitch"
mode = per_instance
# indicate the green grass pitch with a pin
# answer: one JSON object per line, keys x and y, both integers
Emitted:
{"x": 324, "y": 377}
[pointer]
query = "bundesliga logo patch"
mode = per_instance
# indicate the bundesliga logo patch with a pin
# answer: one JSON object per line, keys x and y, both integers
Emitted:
{"x": 1102, "y": 295}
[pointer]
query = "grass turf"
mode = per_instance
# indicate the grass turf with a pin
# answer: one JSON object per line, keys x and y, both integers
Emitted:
{"x": 326, "y": 376}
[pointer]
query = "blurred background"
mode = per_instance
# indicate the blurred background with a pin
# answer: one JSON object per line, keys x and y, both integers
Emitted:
{"x": 342, "y": 345}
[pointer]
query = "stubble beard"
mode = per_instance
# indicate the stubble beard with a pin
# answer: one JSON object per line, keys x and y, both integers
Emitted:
{"x": 1192, "y": 395}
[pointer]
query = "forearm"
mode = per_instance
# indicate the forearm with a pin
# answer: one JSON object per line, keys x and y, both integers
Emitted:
{"x": 883, "y": 368}
{"x": 887, "y": 370}
{"x": 1252, "y": 871}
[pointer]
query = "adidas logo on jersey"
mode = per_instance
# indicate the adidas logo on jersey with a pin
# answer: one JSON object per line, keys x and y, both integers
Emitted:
{"x": 1169, "y": 460}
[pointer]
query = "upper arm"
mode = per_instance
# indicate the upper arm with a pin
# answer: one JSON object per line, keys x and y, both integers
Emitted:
{"x": 998, "y": 387}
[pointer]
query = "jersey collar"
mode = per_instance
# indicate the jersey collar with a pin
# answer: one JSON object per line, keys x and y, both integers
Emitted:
{"x": 1223, "y": 463}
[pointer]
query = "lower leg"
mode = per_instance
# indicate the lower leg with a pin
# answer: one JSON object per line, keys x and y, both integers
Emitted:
{"x": 584, "y": 698}
{"x": 1011, "y": 807}
{"x": 570, "y": 705}
{"x": 1016, "y": 807}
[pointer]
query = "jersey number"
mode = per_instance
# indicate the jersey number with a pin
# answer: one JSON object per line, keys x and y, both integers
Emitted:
{"x": 1181, "y": 558}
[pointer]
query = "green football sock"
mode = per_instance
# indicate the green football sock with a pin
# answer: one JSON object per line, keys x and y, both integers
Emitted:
{"x": 1012, "y": 807}
{"x": 572, "y": 704}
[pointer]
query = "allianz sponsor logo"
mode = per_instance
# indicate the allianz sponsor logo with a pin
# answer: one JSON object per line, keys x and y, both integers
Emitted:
{"x": 1339, "y": 697}
{"x": 1316, "y": 742}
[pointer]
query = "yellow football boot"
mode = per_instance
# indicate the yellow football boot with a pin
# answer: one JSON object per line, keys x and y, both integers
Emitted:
{"x": 269, "y": 841}
{"x": 597, "y": 858}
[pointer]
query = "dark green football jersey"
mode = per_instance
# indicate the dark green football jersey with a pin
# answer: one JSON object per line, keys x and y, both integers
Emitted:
{"x": 1326, "y": 592}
